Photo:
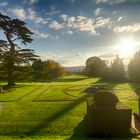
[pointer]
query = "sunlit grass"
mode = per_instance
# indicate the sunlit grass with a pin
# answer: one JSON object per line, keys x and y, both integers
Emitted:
{"x": 41, "y": 113}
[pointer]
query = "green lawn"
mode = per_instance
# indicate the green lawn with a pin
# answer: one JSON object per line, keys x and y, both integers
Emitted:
{"x": 53, "y": 110}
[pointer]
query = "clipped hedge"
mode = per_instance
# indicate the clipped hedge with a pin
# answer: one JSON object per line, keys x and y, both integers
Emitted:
{"x": 105, "y": 98}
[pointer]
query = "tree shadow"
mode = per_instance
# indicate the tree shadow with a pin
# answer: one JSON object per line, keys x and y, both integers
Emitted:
{"x": 69, "y": 79}
{"x": 6, "y": 87}
{"x": 78, "y": 133}
{"x": 47, "y": 121}
{"x": 137, "y": 122}
{"x": 61, "y": 80}
{"x": 105, "y": 84}
{"x": 136, "y": 87}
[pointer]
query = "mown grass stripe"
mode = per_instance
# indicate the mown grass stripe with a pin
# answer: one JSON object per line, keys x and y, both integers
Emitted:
{"x": 36, "y": 98}
{"x": 16, "y": 100}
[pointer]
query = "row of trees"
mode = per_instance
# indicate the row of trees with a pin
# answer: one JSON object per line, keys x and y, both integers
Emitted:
{"x": 47, "y": 70}
{"x": 38, "y": 71}
{"x": 15, "y": 63}
{"x": 95, "y": 67}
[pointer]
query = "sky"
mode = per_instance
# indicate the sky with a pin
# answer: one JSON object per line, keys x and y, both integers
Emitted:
{"x": 70, "y": 31}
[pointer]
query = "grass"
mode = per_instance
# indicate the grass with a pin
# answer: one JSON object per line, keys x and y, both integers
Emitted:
{"x": 53, "y": 110}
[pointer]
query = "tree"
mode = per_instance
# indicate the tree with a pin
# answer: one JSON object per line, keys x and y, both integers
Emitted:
{"x": 21, "y": 72}
{"x": 94, "y": 66}
{"x": 53, "y": 70}
{"x": 14, "y": 30}
{"x": 22, "y": 59}
{"x": 134, "y": 67}
{"x": 38, "y": 69}
{"x": 116, "y": 72}
{"x": 117, "y": 68}
{"x": 47, "y": 70}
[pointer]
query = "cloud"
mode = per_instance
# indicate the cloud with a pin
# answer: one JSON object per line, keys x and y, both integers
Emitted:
{"x": 114, "y": 12}
{"x": 103, "y": 22}
{"x": 79, "y": 23}
{"x": 32, "y": 15}
{"x": 128, "y": 28}
{"x": 31, "y": 1}
{"x": 98, "y": 11}
{"x": 29, "y": 14}
{"x": 19, "y": 12}
{"x": 69, "y": 32}
{"x": 84, "y": 24}
{"x": 3, "y": 4}
{"x": 55, "y": 25}
{"x": 120, "y": 19}
{"x": 39, "y": 35}
{"x": 107, "y": 55}
{"x": 64, "y": 17}
{"x": 53, "y": 11}
{"x": 113, "y": 2}
{"x": 66, "y": 59}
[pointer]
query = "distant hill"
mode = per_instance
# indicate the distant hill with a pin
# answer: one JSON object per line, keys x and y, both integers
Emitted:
{"x": 80, "y": 68}
{"x": 76, "y": 68}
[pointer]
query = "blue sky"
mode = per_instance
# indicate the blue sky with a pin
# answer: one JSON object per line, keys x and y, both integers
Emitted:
{"x": 70, "y": 31}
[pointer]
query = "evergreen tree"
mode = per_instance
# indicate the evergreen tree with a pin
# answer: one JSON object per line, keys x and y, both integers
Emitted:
{"x": 115, "y": 72}
{"x": 134, "y": 67}
{"x": 117, "y": 68}
{"x": 14, "y": 30}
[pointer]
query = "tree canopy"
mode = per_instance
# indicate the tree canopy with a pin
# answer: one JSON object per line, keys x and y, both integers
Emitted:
{"x": 94, "y": 66}
{"x": 47, "y": 70}
{"x": 11, "y": 54}
{"x": 134, "y": 67}
{"x": 115, "y": 72}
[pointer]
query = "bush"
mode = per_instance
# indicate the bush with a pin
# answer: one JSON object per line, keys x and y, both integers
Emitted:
{"x": 105, "y": 98}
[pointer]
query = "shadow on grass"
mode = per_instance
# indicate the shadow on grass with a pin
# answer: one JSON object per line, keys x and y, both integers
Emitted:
{"x": 47, "y": 121}
{"x": 78, "y": 133}
{"x": 6, "y": 87}
{"x": 136, "y": 87}
{"x": 70, "y": 79}
{"x": 61, "y": 80}
{"x": 104, "y": 84}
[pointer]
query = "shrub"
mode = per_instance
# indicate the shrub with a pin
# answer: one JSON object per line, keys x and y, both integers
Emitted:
{"x": 105, "y": 98}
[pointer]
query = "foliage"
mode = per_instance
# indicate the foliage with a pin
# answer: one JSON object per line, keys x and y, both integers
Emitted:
{"x": 53, "y": 69}
{"x": 14, "y": 30}
{"x": 105, "y": 98}
{"x": 21, "y": 60}
{"x": 94, "y": 66}
{"x": 134, "y": 68}
{"x": 23, "y": 71}
{"x": 38, "y": 69}
{"x": 47, "y": 70}
{"x": 116, "y": 72}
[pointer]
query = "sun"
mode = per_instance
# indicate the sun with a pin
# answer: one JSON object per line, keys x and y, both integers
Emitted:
{"x": 127, "y": 46}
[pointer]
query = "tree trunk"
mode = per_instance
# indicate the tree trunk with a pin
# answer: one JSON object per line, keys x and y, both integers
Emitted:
{"x": 10, "y": 68}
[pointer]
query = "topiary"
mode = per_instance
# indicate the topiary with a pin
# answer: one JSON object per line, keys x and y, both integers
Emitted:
{"x": 105, "y": 98}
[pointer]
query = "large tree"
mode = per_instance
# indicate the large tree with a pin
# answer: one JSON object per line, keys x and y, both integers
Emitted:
{"x": 53, "y": 70}
{"x": 94, "y": 66}
{"x": 118, "y": 70}
{"x": 115, "y": 72}
{"x": 38, "y": 69}
{"x": 14, "y": 30}
{"x": 134, "y": 67}
{"x": 47, "y": 70}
